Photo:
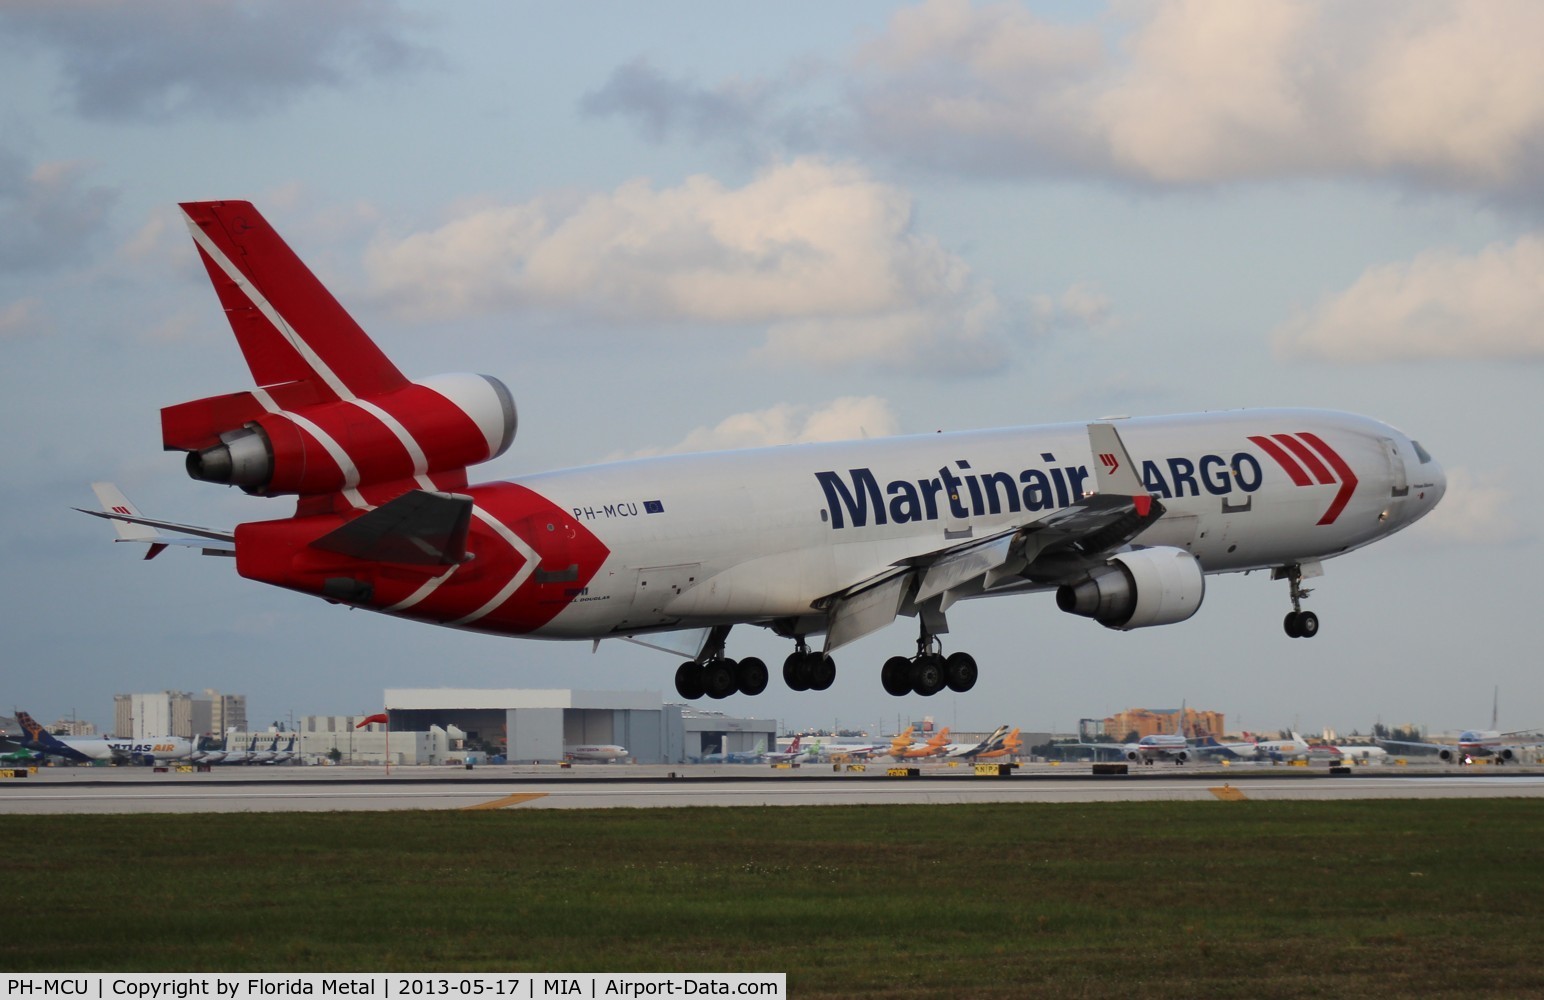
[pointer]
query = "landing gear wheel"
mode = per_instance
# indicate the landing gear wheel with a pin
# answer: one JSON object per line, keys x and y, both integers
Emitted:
{"x": 895, "y": 676}
{"x": 822, "y": 671}
{"x": 960, "y": 672}
{"x": 796, "y": 672}
{"x": 688, "y": 681}
{"x": 1301, "y": 624}
{"x": 927, "y": 674}
{"x": 718, "y": 678}
{"x": 751, "y": 675}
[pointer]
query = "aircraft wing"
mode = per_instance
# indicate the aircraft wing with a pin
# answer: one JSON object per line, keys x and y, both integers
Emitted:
{"x": 133, "y": 527}
{"x": 1049, "y": 547}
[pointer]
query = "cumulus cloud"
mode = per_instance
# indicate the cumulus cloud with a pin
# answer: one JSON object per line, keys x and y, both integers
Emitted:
{"x": 841, "y": 419}
{"x": 1475, "y": 510}
{"x": 820, "y": 253}
{"x": 1197, "y": 92}
{"x": 1440, "y": 305}
{"x": 153, "y": 59}
{"x": 49, "y": 215}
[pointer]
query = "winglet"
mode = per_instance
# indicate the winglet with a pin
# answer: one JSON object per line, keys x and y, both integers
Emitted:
{"x": 1114, "y": 471}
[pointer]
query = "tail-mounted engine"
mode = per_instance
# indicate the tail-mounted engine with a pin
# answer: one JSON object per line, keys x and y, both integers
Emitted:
{"x": 1154, "y": 586}
{"x": 283, "y": 440}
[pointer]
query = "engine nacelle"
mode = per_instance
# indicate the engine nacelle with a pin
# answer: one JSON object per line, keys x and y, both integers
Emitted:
{"x": 444, "y": 423}
{"x": 1156, "y": 586}
{"x": 1505, "y": 753}
{"x": 1133, "y": 755}
{"x": 1446, "y": 755}
{"x": 1182, "y": 756}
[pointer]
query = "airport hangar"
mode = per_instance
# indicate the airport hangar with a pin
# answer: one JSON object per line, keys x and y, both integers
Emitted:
{"x": 538, "y": 723}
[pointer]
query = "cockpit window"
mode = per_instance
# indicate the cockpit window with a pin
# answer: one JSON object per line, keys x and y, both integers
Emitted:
{"x": 1421, "y": 454}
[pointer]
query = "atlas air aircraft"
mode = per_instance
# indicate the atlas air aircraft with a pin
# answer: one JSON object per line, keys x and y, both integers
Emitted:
{"x": 1122, "y": 519}
{"x": 85, "y": 749}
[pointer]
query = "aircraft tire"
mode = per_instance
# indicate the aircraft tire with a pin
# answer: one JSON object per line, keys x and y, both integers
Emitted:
{"x": 822, "y": 671}
{"x": 796, "y": 672}
{"x": 1289, "y": 625}
{"x": 960, "y": 672}
{"x": 688, "y": 681}
{"x": 927, "y": 675}
{"x": 718, "y": 678}
{"x": 751, "y": 675}
{"x": 895, "y": 676}
{"x": 1307, "y": 625}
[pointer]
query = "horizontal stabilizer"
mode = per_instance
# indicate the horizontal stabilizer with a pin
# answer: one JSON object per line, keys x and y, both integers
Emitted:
{"x": 132, "y": 527}
{"x": 417, "y": 528}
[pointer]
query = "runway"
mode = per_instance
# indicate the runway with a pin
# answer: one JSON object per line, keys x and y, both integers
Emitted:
{"x": 132, "y": 790}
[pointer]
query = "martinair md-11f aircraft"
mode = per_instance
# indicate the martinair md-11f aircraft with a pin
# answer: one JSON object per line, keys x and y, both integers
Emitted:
{"x": 1123, "y": 519}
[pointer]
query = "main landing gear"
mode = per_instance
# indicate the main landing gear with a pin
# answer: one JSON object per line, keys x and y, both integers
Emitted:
{"x": 1298, "y": 624}
{"x": 716, "y": 675}
{"x": 805, "y": 670}
{"x": 929, "y": 672}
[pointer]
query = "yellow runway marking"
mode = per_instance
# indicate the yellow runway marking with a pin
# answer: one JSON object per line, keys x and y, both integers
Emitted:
{"x": 1228, "y": 793}
{"x": 509, "y": 800}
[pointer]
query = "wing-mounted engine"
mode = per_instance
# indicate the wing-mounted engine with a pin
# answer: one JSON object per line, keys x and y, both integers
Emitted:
{"x": 282, "y": 440}
{"x": 1135, "y": 589}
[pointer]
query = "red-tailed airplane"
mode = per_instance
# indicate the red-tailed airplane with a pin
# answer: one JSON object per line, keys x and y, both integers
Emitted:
{"x": 1122, "y": 518}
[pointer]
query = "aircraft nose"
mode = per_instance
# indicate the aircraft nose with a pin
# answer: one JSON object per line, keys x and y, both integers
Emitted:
{"x": 1431, "y": 477}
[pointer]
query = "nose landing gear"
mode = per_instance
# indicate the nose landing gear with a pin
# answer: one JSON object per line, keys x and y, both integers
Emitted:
{"x": 1298, "y": 624}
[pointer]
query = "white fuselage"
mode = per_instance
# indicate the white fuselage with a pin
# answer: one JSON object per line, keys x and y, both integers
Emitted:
{"x": 706, "y": 539}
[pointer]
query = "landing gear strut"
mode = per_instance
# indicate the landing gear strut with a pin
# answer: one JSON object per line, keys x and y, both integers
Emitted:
{"x": 1298, "y": 624}
{"x": 715, "y": 675}
{"x": 929, "y": 672}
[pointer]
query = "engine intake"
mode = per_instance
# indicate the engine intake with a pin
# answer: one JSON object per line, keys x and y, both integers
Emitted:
{"x": 1155, "y": 586}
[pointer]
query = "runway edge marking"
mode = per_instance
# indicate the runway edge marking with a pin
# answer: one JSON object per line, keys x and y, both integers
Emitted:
{"x": 509, "y": 800}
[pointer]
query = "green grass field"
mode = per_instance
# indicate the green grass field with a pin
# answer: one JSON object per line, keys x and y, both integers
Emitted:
{"x": 1227, "y": 899}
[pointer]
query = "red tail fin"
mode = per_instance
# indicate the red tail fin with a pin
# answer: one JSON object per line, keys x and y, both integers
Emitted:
{"x": 289, "y": 326}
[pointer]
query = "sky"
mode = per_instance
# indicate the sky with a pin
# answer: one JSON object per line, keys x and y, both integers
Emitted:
{"x": 680, "y": 226}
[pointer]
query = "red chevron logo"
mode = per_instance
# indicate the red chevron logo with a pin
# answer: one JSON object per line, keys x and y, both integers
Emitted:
{"x": 1308, "y": 461}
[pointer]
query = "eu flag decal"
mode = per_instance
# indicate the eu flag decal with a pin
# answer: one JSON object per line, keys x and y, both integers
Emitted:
{"x": 653, "y": 507}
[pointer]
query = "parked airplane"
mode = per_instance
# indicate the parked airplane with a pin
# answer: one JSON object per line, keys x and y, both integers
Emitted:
{"x": 287, "y": 754}
{"x": 240, "y": 756}
{"x": 1211, "y": 746}
{"x": 85, "y": 749}
{"x": 1169, "y": 746}
{"x": 735, "y": 756}
{"x": 845, "y": 751}
{"x": 793, "y": 753}
{"x": 1357, "y": 752}
{"x": 1123, "y": 519}
{"x": 18, "y": 757}
{"x": 902, "y": 747}
{"x": 267, "y": 754}
{"x": 594, "y": 752}
{"x": 1011, "y": 746}
{"x": 969, "y": 751}
{"x": 1474, "y": 743}
{"x": 1283, "y": 749}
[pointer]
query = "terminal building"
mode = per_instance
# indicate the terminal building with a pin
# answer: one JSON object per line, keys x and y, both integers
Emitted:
{"x": 443, "y": 725}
